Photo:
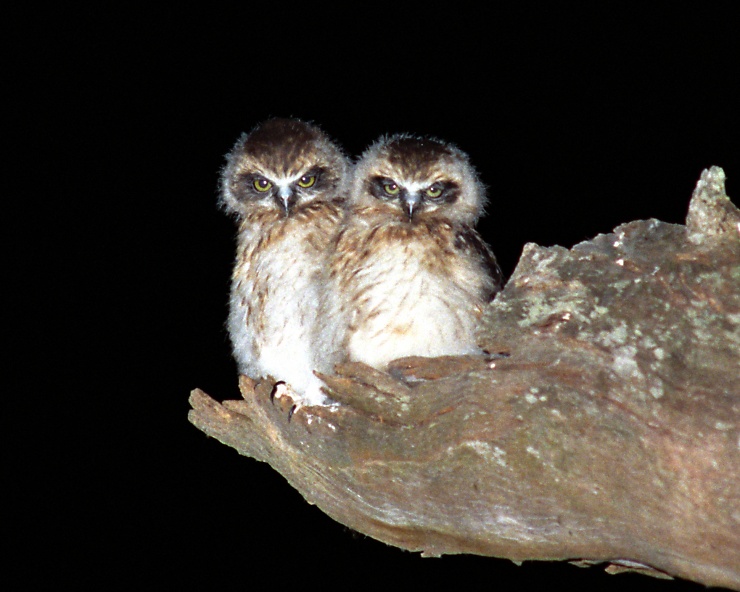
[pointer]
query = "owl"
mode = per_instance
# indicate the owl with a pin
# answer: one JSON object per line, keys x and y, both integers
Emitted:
{"x": 409, "y": 275}
{"x": 286, "y": 183}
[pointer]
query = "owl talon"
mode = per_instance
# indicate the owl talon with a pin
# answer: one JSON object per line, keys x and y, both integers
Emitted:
{"x": 490, "y": 356}
{"x": 282, "y": 391}
{"x": 279, "y": 390}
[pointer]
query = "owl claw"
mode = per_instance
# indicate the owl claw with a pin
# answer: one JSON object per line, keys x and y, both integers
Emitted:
{"x": 282, "y": 390}
{"x": 278, "y": 390}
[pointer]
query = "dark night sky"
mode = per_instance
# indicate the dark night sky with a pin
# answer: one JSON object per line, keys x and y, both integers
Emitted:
{"x": 577, "y": 122}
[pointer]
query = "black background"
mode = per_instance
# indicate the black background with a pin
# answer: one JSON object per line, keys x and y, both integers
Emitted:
{"x": 578, "y": 120}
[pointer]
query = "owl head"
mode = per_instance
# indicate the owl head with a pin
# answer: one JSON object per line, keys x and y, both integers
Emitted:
{"x": 280, "y": 165}
{"x": 417, "y": 177}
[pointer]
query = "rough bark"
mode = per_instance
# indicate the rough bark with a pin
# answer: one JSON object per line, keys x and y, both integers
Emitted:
{"x": 604, "y": 427}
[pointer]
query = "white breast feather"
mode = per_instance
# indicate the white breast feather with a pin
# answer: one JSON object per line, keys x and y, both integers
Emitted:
{"x": 276, "y": 338}
{"x": 407, "y": 310}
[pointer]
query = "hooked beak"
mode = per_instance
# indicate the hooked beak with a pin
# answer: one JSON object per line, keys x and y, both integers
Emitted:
{"x": 285, "y": 199}
{"x": 410, "y": 203}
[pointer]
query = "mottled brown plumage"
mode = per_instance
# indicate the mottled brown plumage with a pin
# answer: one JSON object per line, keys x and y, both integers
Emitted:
{"x": 410, "y": 275}
{"x": 286, "y": 183}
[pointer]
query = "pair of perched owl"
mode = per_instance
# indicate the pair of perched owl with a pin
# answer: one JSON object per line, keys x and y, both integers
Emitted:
{"x": 367, "y": 262}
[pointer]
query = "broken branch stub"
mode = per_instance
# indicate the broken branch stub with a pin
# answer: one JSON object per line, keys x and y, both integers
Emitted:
{"x": 604, "y": 427}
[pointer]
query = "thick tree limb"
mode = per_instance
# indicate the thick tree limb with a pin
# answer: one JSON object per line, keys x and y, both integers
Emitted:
{"x": 609, "y": 432}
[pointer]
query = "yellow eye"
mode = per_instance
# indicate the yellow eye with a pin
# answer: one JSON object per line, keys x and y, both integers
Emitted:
{"x": 434, "y": 191}
{"x": 307, "y": 181}
{"x": 261, "y": 184}
{"x": 391, "y": 188}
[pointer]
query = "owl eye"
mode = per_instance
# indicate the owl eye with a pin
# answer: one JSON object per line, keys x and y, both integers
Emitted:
{"x": 261, "y": 184}
{"x": 391, "y": 188}
{"x": 307, "y": 181}
{"x": 434, "y": 191}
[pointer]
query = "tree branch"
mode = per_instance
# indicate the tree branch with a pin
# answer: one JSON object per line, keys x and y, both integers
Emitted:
{"x": 605, "y": 427}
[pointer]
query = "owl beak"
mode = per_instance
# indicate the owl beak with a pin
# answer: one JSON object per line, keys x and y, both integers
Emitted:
{"x": 285, "y": 199}
{"x": 411, "y": 203}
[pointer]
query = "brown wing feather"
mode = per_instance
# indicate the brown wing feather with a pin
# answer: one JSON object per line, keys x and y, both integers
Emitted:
{"x": 469, "y": 241}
